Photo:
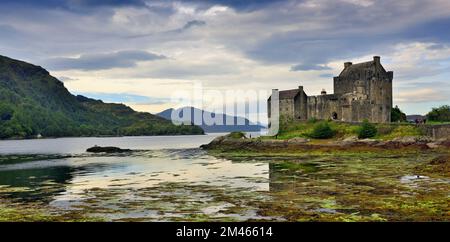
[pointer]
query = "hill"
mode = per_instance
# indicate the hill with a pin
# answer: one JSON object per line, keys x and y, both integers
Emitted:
{"x": 239, "y": 124}
{"x": 32, "y": 102}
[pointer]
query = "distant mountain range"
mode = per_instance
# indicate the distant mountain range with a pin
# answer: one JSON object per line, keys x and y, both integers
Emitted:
{"x": 239, "y": 124}
{"x": 34, "y": 103}
{"x": 414, "y": 117}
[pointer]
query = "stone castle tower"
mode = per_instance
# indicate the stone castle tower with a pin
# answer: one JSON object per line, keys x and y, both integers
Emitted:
{"x": 361, "y": 91}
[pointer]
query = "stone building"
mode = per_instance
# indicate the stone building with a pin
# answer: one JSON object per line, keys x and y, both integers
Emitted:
{"x": 361, "y": 91}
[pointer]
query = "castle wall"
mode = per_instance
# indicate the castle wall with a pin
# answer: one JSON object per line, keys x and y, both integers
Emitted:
{"x": 287, "y": 108}
{"x": 323, "y": 106}
{"x": 303, "y": 106}
{"x": 380, "y": 94}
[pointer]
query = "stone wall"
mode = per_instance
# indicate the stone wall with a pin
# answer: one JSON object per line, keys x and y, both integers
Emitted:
{"x": 441, "y": 131}
{"x": 287, "y": 108}
{"x": 323, "y": 106}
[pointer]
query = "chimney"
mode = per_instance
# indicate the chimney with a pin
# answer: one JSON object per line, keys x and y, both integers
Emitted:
{"x": 347, "y": 64}
{"x": 376, "y": 59}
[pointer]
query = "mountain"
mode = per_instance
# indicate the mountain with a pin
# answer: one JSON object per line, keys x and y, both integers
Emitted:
{"x": 414, "y": 117}
{"x": 33, "y": 103}
{"x": 247, "y": 126}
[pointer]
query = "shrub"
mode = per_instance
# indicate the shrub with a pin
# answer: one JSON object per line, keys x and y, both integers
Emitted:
{"x": 322, "y": 130}
{"x": 367, "y": 130}
{"x": 236, "y": 135}
{"x": 441, "y": 114}
{"x": 397, "y": 115}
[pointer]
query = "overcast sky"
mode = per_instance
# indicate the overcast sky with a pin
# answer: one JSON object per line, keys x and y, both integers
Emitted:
{"x": 140, "y": 51}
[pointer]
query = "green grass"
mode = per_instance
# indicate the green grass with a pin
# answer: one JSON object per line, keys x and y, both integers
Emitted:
{"x": 344, "y": 130}
{"x": 437, "y": 122}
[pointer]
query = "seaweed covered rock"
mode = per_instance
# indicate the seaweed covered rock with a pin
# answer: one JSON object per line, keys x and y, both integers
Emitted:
{"x": 440, "y": 164}
{"x": 442, "y": 159}
{"x": 107, "y": 149}
{"x": 236, "y": 135}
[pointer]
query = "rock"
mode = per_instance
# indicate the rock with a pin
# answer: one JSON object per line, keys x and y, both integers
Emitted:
{"x": 424, "y": 139}
{"x": 406, "y": 140}
{"x": 443, "y": 142}
{"x": 298, "y": 140}
{"x": 369, "y": 141}
{"x": 432, "y": 145}
{"x": 106, "y": 149}
{"x": 350, "y": 139}
{"x": 441, "y": 163}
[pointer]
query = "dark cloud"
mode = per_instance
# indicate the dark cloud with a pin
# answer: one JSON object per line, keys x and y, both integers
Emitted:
{"x": 433, "y": 30}
{"x": 102, "y": 61}
{"x": 95, "y": 3}
{"x": 345, "y": 31}
{"x": 65, "y": 4}
{"x": 309, "y": 67}
{"x": 193, "y": 23}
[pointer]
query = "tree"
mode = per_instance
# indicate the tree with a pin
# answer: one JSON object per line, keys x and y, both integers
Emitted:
{"x": 322, "y": 130}
{"x": 367, "y": 130}
{"x": 6, "y": 112}
{"x": 397, "y": 115}
{"x": 441, "y": 114}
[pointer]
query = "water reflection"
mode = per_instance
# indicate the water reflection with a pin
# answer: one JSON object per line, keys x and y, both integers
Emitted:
{"x": 36, "y": 184}
{"x": 61, "y": 180}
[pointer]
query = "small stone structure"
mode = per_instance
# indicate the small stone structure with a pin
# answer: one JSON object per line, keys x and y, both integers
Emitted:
{"x": 441, "y": 131}
{"x": 361, "y": 91}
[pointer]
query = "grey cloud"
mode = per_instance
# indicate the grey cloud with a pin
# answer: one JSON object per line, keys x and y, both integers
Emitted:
{"x": 66, "y": 79}
{"x": 164, "y": 34}
{"x": 193, "y": 23}
{"x": 309, "y": 67}
{"x": 342, "y": 31}
{"x": 187, "y": 71}
{"x": 102, "y": 61}
{"x": 436, "y": 47}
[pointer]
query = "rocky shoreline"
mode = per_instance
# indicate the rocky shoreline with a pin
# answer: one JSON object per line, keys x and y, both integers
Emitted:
{"x": 226, "y": 143}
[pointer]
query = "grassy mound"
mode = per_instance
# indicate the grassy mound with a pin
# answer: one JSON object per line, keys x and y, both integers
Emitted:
{"x": 312, "y": 128}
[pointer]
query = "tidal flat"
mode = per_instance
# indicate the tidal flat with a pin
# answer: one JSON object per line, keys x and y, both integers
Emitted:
{"x": 195, "y": 185}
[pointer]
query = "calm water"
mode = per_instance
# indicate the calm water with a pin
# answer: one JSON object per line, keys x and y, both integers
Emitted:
{"x": 171, "y": 179}
{"x": 79, "y": 145}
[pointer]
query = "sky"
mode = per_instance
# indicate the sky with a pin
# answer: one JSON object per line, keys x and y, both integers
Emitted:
{"x": 139, "y": 52}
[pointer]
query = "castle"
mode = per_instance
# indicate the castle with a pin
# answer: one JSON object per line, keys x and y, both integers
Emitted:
{"x": 361, "y": 91}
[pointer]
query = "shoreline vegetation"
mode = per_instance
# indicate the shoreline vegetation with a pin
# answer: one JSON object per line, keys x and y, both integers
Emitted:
{"x": 328, "y": 138}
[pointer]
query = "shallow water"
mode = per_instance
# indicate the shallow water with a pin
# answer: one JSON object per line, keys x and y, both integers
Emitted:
{"x": 172, "y": 180}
